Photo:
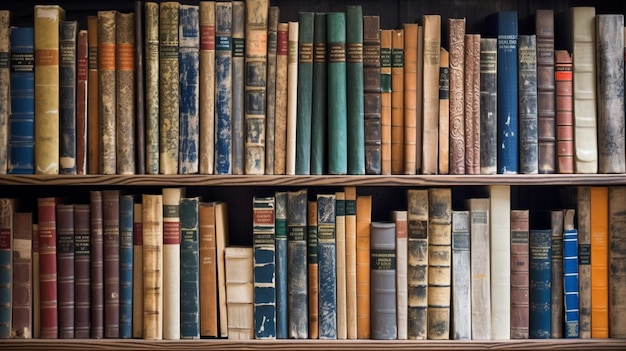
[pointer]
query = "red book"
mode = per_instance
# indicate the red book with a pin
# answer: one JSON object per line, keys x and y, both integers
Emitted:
{"x": 82, "y": 262}
{"x": 564, "y": 111}
{"x": 65, "y": 269}
{"x": 97, "y": 272}
{"x": 46, "y": 216}
{"x": 111, "y": 249}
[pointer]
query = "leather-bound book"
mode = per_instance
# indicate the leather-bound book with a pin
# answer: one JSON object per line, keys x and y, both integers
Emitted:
{"x": 305, "y": 92}
{"x": 107, "y": 65}
{"x": 564, "y": 111}
{"x": 519, "y": 274}
{"x": 93, "y": 98}
{"x": 417, "y": 257}
{"x": 48, "y": 297}
{"x": 82, "y": 270}
{"x": 546, "y": 123}
{"x": 206, "y": 155}
{"x": 111, "y": 261}
{"x": 151, "y": 63}
{"x": 22, "y": 319}
{"x": 456, "y": 47}
{"x": 527, "y": 89}
{"x": 372, "y": 93}
{"x": 125, "y": 142}
{"x": 488, "y": 105}
{"x": 65, "y": 269}
{"x": 68, "y": 33}
{"x": 430, "y": 107}
{"x": 383, "y": 284}
{"x": 97, "y": 265}
{"x": 81, "y": 101}
{"x": 152, "y": 266}
{"x": 354, "y": 89}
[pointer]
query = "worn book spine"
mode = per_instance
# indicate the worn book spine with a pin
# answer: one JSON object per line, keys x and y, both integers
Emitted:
{"x": 171, "y": 262}
{"x": 500, "y": 260}
{"x": 107, "y": 64}
{"x": 292, "y": 97}
{"x": 385, "y": 101}
{"x": 47, "y": 22}
{"x": 351, "y": 280}
{"x": 282, "y": 82}
{"x": 480, "y": 268}
{"x": 139, "y": 89}
{"x": 443, "y": 163}
{"x": 472, "y": 104}
{"x": 238, "y": 86}
{"x": 456, "y": 40}
{"x": 340, "y": 240}
{"x": 5, "y": 90}
{"x": 36, "y": 284}
{"x": 93, "y": 98}
{"x": 48, "y": 297}
{"x": 270, "y": 121}
{"x": 400, "y": 220}
{"x": 527, "y": 89}
{"x": 138, "y": 270}
{"x": 488, "y": 105}
{"x": 383, "y": 273}
{"x": 152, "y": 266}
{"x": 239, "y": 290}
{"x": 476, "y": 105}
{"x": 610, "y": 90}
{"x": 22, "y": 119}
{"x": 206, "y": 99}
{"x": 297, "y": 303}
{"x": 81, "y": 101}
{"x": 363, "y": 278}
{"x": 125, "y": 89}
{"x": 563, "y": 82}
{"x": 306, "y": 21}
{"x": 397, "y": 101}
{"x": 223, "y": 87}
{"x": 221, "y": 241}
{"x": 22, "y": 275}
{"x": 312, "y": 269}
{"x": 111, "y": 261}
{"x": 354, "y": 90}
{"x": 65, "y": 269}
{"x": 280, "y": 242}
{"x": 189, "y": 269}
{"x": 327, "y": 260}
{"x": 68, "y": 33}
{"x": 264, "y": 230}
{"x": 617, "y": 271}
{"x": 126, "y": 265}
{"x": 151, "y": 48}
{"x": 540, "y": 283}
{"x": 519, "y": 274}
{"x": 546, "y": 123}
{"x": 599, "y": 258}
{"x": 372, "y": 94}
{"x": 556, "y": 297}
{"x": 189, "y": 70}
{"x": 570, "y": 275}
{"x": 337, "y": 93}
{"x": 319, "y": 99}
{"x": 417, "y": 258}
{"x": 97, "y": 265}
{"x": 430, "y": 106}
{"x": 461, "y": 317}
{"x": 411, "y": 60}
{"x": 207, "y": 253}
{"x": 6, "y": 261}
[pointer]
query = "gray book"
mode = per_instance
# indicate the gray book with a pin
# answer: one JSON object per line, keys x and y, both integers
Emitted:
{"x": 383, "y": 280}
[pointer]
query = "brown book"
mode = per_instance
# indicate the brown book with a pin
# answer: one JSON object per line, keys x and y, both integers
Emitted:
{"x": 125, "y": 89}
{"x": 411, "y": 33}
{"x": 208, "y": 270}
{"x": 557, "y": 307}
{"x": 472, "y": 116}
{"x": 372, "y": 93}
{"x": 152, "y": 266}
{"x": 583, "y": 194}
{"x": 444, "y": 112}
{"x": 140, "y": 107}
{"x": 397, "y": 101}
{"x": 65, "y": 269}
{"x": 363, "y": 221}
{"x": 312, "y": 270}
{"x": 36, "y": 284}
{"x": 93, "y": 98}
{"x": 564, "y": 112}
{"x": 46, "y": 217}
{"x": 107, "y": 64}
{"x": 476, "y": 104}
{"x": 417, "y": 258}
{"x": 430, "y": 106}
{"x": 617, "y": 258}
{"x": 221, "y": 241}
{"x": 546, "y": 131}
{"x": 97, "y": 266}
{"x": 385, "y": 100}
{"x": 81, "y": 102}
{"x": 22, "y": 321}
{"x": 82, "y": 268}
{"x": 456, "y": 40}
{"x": 519, "y": 274}
{"x": 280, "y": 124}
{"x": 111, "y": 261}
{"x": 206, "y": 156}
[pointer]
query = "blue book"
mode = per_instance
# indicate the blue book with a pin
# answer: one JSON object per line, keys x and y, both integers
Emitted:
{"x": 305, "y": 92}
{"x": 223, "y": 87}
{"x": 189, "y": 269}
{"x": 354, "y": 77}
{"x": 6, "y": 238}
{"x": 503, "y": 25}
{"x": 22, "y": 119}
{"x": 237, "y": 60}
{"x": 540, "y": 270}
{"x": 189, "y": 62}
{"x": 327, "y": 261}
{"x": 297, "y": 281}
{"x": 570, "y": 276}
{"x": 67, "y": 97}
{"x": 263, "y": 233}
{"x": 281, "y": 264}
{"x": 126, "y": 265}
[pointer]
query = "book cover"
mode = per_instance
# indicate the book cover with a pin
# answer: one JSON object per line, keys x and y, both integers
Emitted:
{"x": 519, "y": 274}
{"x": 617, "y": 242}
{"x": 81, "y": 101}
{"x": 306, "y": 28}
{"x": 111, "y": 261}
{"x": 472, "y": 103}
{"x": 430, "y": 106}
{"x": 171, "y": 262}
{"x": 480, "y": 267}
{"x": 6, "y": 261}
{"x": 563, "y": 82}
{"x": 264, "y": 236}
{"x": 417, "y": 258}
{"x": 540, "y": 283}
{"x": 461, "y": 317}
{"x": 48, "y": 295}
{"x": 152, "y": 266}
{"x": 65, "y": 269}
{"x": 556, "y": 297}
{"x": 410, "y": 90}
{"x": 488, "y": 105}
{"x": 223, "y": 87}
{"x": 93, "y": 97}
{"x": 238, "y": 132}
{"x": 340, "y": 241}
{"x": 206, "y": 99}
{"x": 351, "y": 280}
{"x": 383, "y": 285}
{"x": 363, "y": 278}
{"x": 385, "y": 101}
{"x": 312, "y": 269}
{"x": 280, "y": 222}
{"x": 599, "y": 258}
{"x": 443, "y": 164}
{"x": 319, "y": 106}
{"x": 36, "y": 284}
{"x": 292, "y": 97}
{"x": 239, "y": 291}
{"x": 189, "y": 269}
{"x": 5, "y": 96}
{"x": 126, "y": 265}
{"x": 125, "y": 142}
{"x": 107, "y": 65}
{"x": 97, "y": 265}
{"x": 151, "y": 62}
{"x": 270, "y": 118}
{"x": 372, "y": 94}
{"x": 337, "y": 93}
{"x": 327, "y": 260}
{"x": 138, "y": 270}
{"x": 207, "y": 252}
{"x": 354, "y": 90}
{"x": 282, "y": 83}
{"x": 297, "y": 278}
{"x": 397, "y": 101}
{"x": 221, "y": 241}
{"x": 500, "y": 261}
{"x": 546, "y": 123}
{"x": 456, "y": 47}
{"x": 139, "y": 91}
{"x": 570, "y": 275}
{"x": 399, "y": 218}
{"x": 527, "y": 89}
{"x": 22, "y": 275}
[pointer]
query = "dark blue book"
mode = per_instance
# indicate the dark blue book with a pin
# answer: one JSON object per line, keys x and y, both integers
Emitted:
{"x": 22, "y": 119}
{"x": 126, "y": 265}
{"x": 297, "y": 299}
{"x": 223, "y": 87}
{"x": 281, "y": 264}
{"x": 570, "y": 277}
{"x": 189, "y": 269}
{"x": 263, "y": 234}
{"x": 67, "y": 97}
{"x": 503, "y": 25}
{"x": 327, "y": 261}
{"x": 540, "y": 246}
{"x": 189, "y": 62}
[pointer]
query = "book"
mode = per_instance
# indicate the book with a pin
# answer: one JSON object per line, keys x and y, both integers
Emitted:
{"x": 519, "y": 274}
{"x": 546, "y": 123}
{"x": 207, "y": 253}
{"x": 527, "y": 89}
{"x": 297, "y": 278}
{"x": 363, "y": 267}
{"x": 472, "y": 104}
{"x": 443, "y": 164}
{"x": 257, "y": 12}
{"x": 583, "y": 206}
{"x": 417, "y": 258}
{"x": 563, "y": 83}
{"x": 500, "y": 260}
{"x": 480, "y": 267}
{"x": 570, "y": 275}
{"x": 599, "y": 244}
{"x": 354, "y": 90}
{"x": 282, "y": 82}
{"x": 152, "y": 266}
{"x": 93, "y": 97}
{"x": 47, "y": 23}
{"x": 189, "y": 268}
{"x": 410, "y": 87}
{"x": 221, "y": 241}
{"x": 239, "y": 291}
{"x": 36, "y": 284}
{"x": 304, "y": 101}
{"x": 456, "y": 47}
{"x": 125, "y": 142}
{"x": 372, "y": 94}
{"x": 22, "y": 275}
{"x": 151, "y": 48}
{"x": 340, "y": 242}
{"x": 206, "y": 98}
{"x": 556, "y": 298}
{"x": 189, "y": 70}
{"x": 430, "y": 106}
{"x": 351, "y": 280}
{"x": 293, "y": 31}
{"x": 397, "y": 101}
{"x": 107, "y": 65}
{"x": 319, "y": 99}
{"x": 312, "y": 269}
{"x": 223, "y": 87}
{"x": 337, "y": 93}
{"x": 126, "y": 205}
{"x": 6, "y": 265}
{"x": 383, "y": 285}
{"x": 399, "y": 217}
{"x": 270, "y": 122}
{"x": 5, "y": 96}
{"x": 385, "y": 100}
{"x": 264, "y": 236}
{"x": 138, "y": 270}
{"x": 281, "y": 271}
{"x": 139, "y": 91}
{"x": 171, "y": 262}
{"x": 461, "y": 318}
{"x": 22, "y": 119}
{"x": 81, "y": 101}
{"x": 616, "y": 242}
{"x": 539, "y": 283}
{"x": 48, "y": 294}
{"x": 327, "y": 260}
{"x": 238, "y": 133}
{"x": 65, "y": 269}
{"x": 97, "y": 264}
{"x": 488, "y": 105}
{"x": 111, "y": 261}
{"x": 610, "y": 102}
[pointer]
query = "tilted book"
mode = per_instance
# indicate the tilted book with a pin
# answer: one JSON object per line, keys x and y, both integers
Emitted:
{"x": 488, "y": 105}
{"x": 151, "y": 62}
{"x": 264, "y": 230}
{"x": 319, "y": 106}
{"x": 337, "y": 93}
{"x": 65, "y": 269}
{"x": 22, "y": 265}
{"x": 68, "y": 33}
{"x": 410, "y": 107}
{"x": 399, "y": 217}
{"x": 171, "y": 262}
{"x": 207, "y": 252}
{"x": 111, "y": 261}
{"x": 383, "y": 275}
{"x": 297, "y": 303}
{"x": 48, "y": 296}
{"x": 223, "y": 87}
{"x": 417, "y": 258}
{"x": 461, "y": 316}
{"x": 93, "y": 98}
{"x": 239, "y": 291}
{"x": 327, "y": 261}
{"x": 570, "y": 275}
{"x": 519, "y": 274}
{"x": 397, "y": 101}
{"x": 189, "y": 269}
{"x": 340, "y": 240}
{"x": 152, "y": 266}
{"x": 305, "y": 92}
{"x": 563, "y": 82}
{"x": 5, "y": 96}
{"x": 280, "y": 222}
{"x": 599, "y": 258}
{"x": 126, "y": 265}
{"x": 500, "y": 246}
{"x": 617, "y": 243}
{"x": 430, "y": 106}
{"x": 540, "y": 283}
{"x": 546, "y": 123}
{"x": 527, "y": 89}
{"x": 556, "y": 297}
{"x": 372, "y": 94}
{"x": 206, "y": 99}
{"x": 6, "y": 261}
{"x": 456, "y": 47}
{"x": 81, "y": 101}
{"x": 107, "y": 64}
{"x": 354, "y": 89}
{"x": 363, "y": 284}
{"x": 312, "y": 269}
{"x": 125, "y": 137}
{"x": 238, "y": 85}
{"x": 480, "y": 268}
{"x": 270, "y": 122}
{"x": 97, "y": 265}
{"x": 138, "y": 270}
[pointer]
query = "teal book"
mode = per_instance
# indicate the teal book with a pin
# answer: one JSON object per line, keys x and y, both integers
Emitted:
{"x": 540, "y": 247}
{"x": 189, "y": 269}
{"x": 320, "y": 102}
{"x": 305, "y": 93}
{"x": 280, "y": 221}
{"x": 237, "y": 83}
{"x": 297, "y": 300}
{"x": 337, "y": 98}
{"x": 67, "y": 97}
{"x": 327, "y": 263}
{"x": 223, "y": 87}
{"x": 383, "y": 284}
{"x": 354, "y": 75}
{"x": 263, "y": 237}
{"x": 126, "y": 265}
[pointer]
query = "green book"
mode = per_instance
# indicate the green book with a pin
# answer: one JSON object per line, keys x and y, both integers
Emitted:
{"x": 337, "y": 110}
{"x": 319, "y": 108}
{"x": 305, "y": 86}
{"x": 354, "y": 67}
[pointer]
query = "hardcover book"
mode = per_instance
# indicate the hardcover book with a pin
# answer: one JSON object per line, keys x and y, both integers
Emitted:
{"x": 472, "y": 104}
{"x": 270, "y": 122}
{"x": 456, "y": 47}
{"x": 383, "y": 275}
{"x": 599, "y": 258}
{"x": 354, "y": 90}
{"x": 171, "y": 262}
{"x": 111, "y": 261}
{"x": 556, "y": 298}
{"x": 125, "y": 157}
{"x": 292, "y": 97}
{"x": 409, "y": 101}
{"x": 6, "y": 260}
{"x": 340, "y": 239}
{"x": 68, "y": 33}
{"x": 139, "y": 90}
{"x": 372, "y": 94}
{"x": 312, "y": 269}
{"x": 36, "y": 284}
{"x": 519, "y": 274}
{"x": 238, "y": 84}
{"x": 397, "y": 101}
{"x": 65, "y": 269}
{"x": 126, "y": 207}
{"x": 480, "y": 267}
{"x": 151, "y": 43}
{"x": 264, "y": 230}
{"x": 280, "y": 222}
{"x": 81, "y": 101}
{"x": 617, "y": 242}
{"x": 319, "y": 99}
{"x": 327, "y": 260}
{"x": 282, "y": 83}
{"x": 5, "y": 96}
{"x": 570, "y": 275}
{"x": 107, "y": 64}
{"x": 152, "y": 266}
{"x": 527, "y": 89}
{"x": 337, "y": 93}
{"x": 297, "y": 303}
{"x": 223, "y": 87}
{"x": 97, "y": 265}
{"x": 399, "y": 217}
{"x": 385, "y": 100}
{"x": 417, "y": 258}
{"x": 488, "y": 105}
{"x": 546, "y": 123}
{"x": 430, "y": 127}
{"x": 48, "y": 296}
{"x": 461, "y": 318}
{"x": 207, "y": 253}
{"x": 189, "y": 269}
{"x": 443, "y": 165}
{"x": 363, "y": 283}
{"x": 138, "y": 270}
{"x": 540, "y": 283}
{"x": 22, "y": 275}
{"x": 351, "y": 279}
{"x": 563, "y": 82}
{"x": 93, "y": 97}
{"x": 500, "y": 252}
{"x": 305, "y": 92}
{"x": 206, "y": 99}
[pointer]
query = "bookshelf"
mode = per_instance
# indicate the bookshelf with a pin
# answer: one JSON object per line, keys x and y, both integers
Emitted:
{"x": 238, "y": 190}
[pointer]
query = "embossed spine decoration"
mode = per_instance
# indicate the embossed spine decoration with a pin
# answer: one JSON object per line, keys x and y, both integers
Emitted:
{"x": 125, "y": 90}
{"x": 151, "y": 42}
{"x": 456, "y": 30}
{"x": 106, "y": 78}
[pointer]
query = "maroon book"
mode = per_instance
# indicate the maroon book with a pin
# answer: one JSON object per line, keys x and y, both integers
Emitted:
{"x": 46, "y": 216}
{"x": 22, "y": 321}
{"x": 111, "y": 236}
{"x": 65, "y": 269}
{"x": 564, "y": 112}
{"x": 82, "y": 261}
{"x": 97, "y": 272}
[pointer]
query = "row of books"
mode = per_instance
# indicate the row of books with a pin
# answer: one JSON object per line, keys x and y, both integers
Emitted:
{"x": 229, "y": 88}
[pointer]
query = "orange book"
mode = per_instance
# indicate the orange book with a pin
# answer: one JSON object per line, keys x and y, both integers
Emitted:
{"x": 363, "y": 221}
{"x": 208, "y": 270}
{"x": 397, "y": 102}
{"x": 351, "y": 275}
{"x": 411, "y": 31}
{"x": 599, "y": 262}
{"x": 385, "y": 100}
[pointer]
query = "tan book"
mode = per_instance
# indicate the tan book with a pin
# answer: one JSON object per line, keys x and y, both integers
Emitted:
{"x": 270, "y": 123}
{"x": 351, "y": 279}
{"x": 292, "y": 98}
{"x": 363, "y": 221}
{"x": 107, "y": 65}
{"x": 125, "y": 90}
{"x": 206, "y": 155}
{"x": 5, "y": 96}
{"x": 456, "y": 40}
{"x": 93, "y": 110}
{"x": 239, "y": 291}
{"x": 171, "y": 262}
{"x": 47, "y": 21}
{"x": 313, "y": 270}
{"x": 221, "y": 241}
{"x": 82, "y": 59}
{"x": 138, "y": 270}
{"x": 340, "y": 237}
{"x": 430, "y": 105}
{"x": 476, "y": 104}
{"x": 500, "y": 260}
{"x": 411, "y": 32}
{"x": 444, "y": 112}
{"x": 280, "y": 123}
{"x": 397, "y": 101}
{"x": 520, "y": 261}
{"x": 151, "y": 64}
{"x": 417, "y": 263}
{"x": 152, "y": 266}
{"x": 385, "y": 100}
{"x": 480, "y": 278}
{"x": 208, "y": 270}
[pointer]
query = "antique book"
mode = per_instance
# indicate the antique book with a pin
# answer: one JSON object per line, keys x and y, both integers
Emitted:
{"x": 351, "y": 279}
{"x": 221, "y": 241}
{"x": 410, "y": 123}
{"x": 519, "y": 274}
{"x": 5, "y": 91}
{"x": 206, "y": 98}
{"x": 189, "y": 71}
{"x": 152, "y": 266}
{"x": 223, "y": 87}
{"x": 151, "y": 48}
{"x": 563, "y": 82}
{"x": 68, "y": 33}
{"x": 599, "y": 245}
{"x": 270, "y": 118}
{"x": 327, "y": 260}
{"x": 171, "y": 262}
{"x": 617, "y": 243}
{"x": 480, "y": 267}
{"x": 292, "y": 97}
{"x": 125, "y": 154}
{"x": 189, "y": 269}
{"x": 48, "y": 296}
{"x": 312, "y": 269}
{"x": 169, "y": 85}
{"x": 372, "y": 94}
{"x": 238, "y": 132}
{"x": 7, "y": 208}
{"x": 443, "y": 163}
{"x": 556, "y": 297}
{"x": 397, "y": 101}
{"x": 36, "y": 284}
{"x": 280, "y": 222}
{"x": 456, "y": 47}
{"x": 430, "y": 106}
{"x": 139, "y": 90}
{"x": 472, "y": 104}
{"x": 383, "y": 275}
{"x": 570, "y": 275}
{"x": 126, "y": 206}
{"x": 337, "y": 93}
{"x": 488, "y": 105}
{"x": 419, "y": 93}
{"x": 385, "y": 101}
{"x": 439, "y": 262}
{"x": 239, "y": 291}
{"x": 399, "y": 217}
{"x": 417, "y": 258}
{"x": 47, "y": 21}
{"x": 546, "y": 123}
{"x": 22, "y": 275}
{"x": 97, "y": 265}
{"x": 527, "y": 89}
{"x": 476, "y": 104}
{"x": 297, "y": 303}
{"x": 111, "y": 261}
{"x": 610, "y": 99}
{"x": 354, "y": 91}
{"x": 93, "y": 98}
{"x": 540, "y": 253}
{"x": 363, "y": 299}
{"x": 319, "y": 99}
{"x": 461, "y": 317}
{"x": 304, "y": 100}
{"x": 340, "y": 241}
{"x": 22, "y": 118}
{"x": 138, "y": 270}
{"x": 207, "y": 263}
{"x": 500, "y": 246}
{"x": 107, "y": 65}
{"x": 65, "y": 269}
{"x": 263, "y": 236}
{"x": 280, "y": 123}
{"x": 81, "y": 101}
{"x": 256, "y": 21}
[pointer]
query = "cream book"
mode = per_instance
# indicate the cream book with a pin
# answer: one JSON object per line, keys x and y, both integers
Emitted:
{"x": 239, "y": 292}
{"x": 171, "y": 262}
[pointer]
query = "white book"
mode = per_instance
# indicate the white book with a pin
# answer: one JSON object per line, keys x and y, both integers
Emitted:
{"x": 239, "y": 292}
{"x": 171, "y": 263}
{"x": 500, "y": 261}
{"x": 461, "y": 323}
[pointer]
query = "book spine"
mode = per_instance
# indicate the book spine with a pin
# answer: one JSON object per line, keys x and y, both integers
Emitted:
{"x": 363, "y": 279}
{"x": 354, "y": 75}
{"x": 297, "y": 303}
{"x": 556, "y": 281}
{"x": 6, "y": 260}
{"x": 546, "y": 126}
{"x": 539, "y": 276}
{"x": 480, "y": 269}
{"x": 430, "y": 106}
{"x": 208, "y": 270}
{"x": 327, "y": 257}
{"x": 138, "y": 270}
{"x": 270, "y": 122}
{"x": 456, "y": 38}
{"x": 238, "y": 86}
{"x": 189, "y": 68}
{"x": 81, "y": 101}
{"x": 617, "y": 242}
{"x": 264, "y": 230}
{"x": 48, "y": 297}
{"x": 461, "y": 318}
{"x": 292, "y": 97}
{"x": 443, "y": 165}
{"x": 400, "y": 220}
{"x": 337, "y": 93}
{"x": 372, "y": 94}
{"x": 152, "y": 266}
{"x": 488, "y": 105}
{"x": 22, "y": 265}
{"x": 189, "y": 269}
{"x": 319, "y": 106}
{"x": 351, "y": 280}
{"x": 93, "y": 98}
{"x": 126, "y": 265}
{"x": 340, "y": 241}
{"x": 97, "y": 265}
{"x": 417, "y": 269}
{"x": 305, "y": 92}
{"x": 282, "y": 83}
{"x": 383, "y": 272}
{"x": 312, "y": 269}
{"x": 171, "y": 262}
{"x": 500, "y": 260}
{"x": 151, "y": 48}
{"x": 111, "y": 261}
{"x": 599, "y": 244}
{"x": 527, "y": 89}
{"x": 583, "y": 199}
{"x": 564, "y": 111}
{"x": 239, "y": 289}
{"x": 65, "y": 269}
{"x": 281, "y": 265}
{"x": 397, "y": 101}
{"x": 223, "y": 87}
{"x": 519, "y": 274}
{"x": 107, "y": 64}
{"x": 5, "y": 90}
{"x": 139, "y": 91}
{"x": 206, "y": 100}
{"x": 125, "y": 89}
{"x": 36, "y": 284}
{"x": 469, "y": 103}
{"x": 221, "y": 241}
{"x": 68, "y": 32}
{"x": 410, "y": 71}
{"x": 570, "y": 275}
{"x": 385, "y": 101}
